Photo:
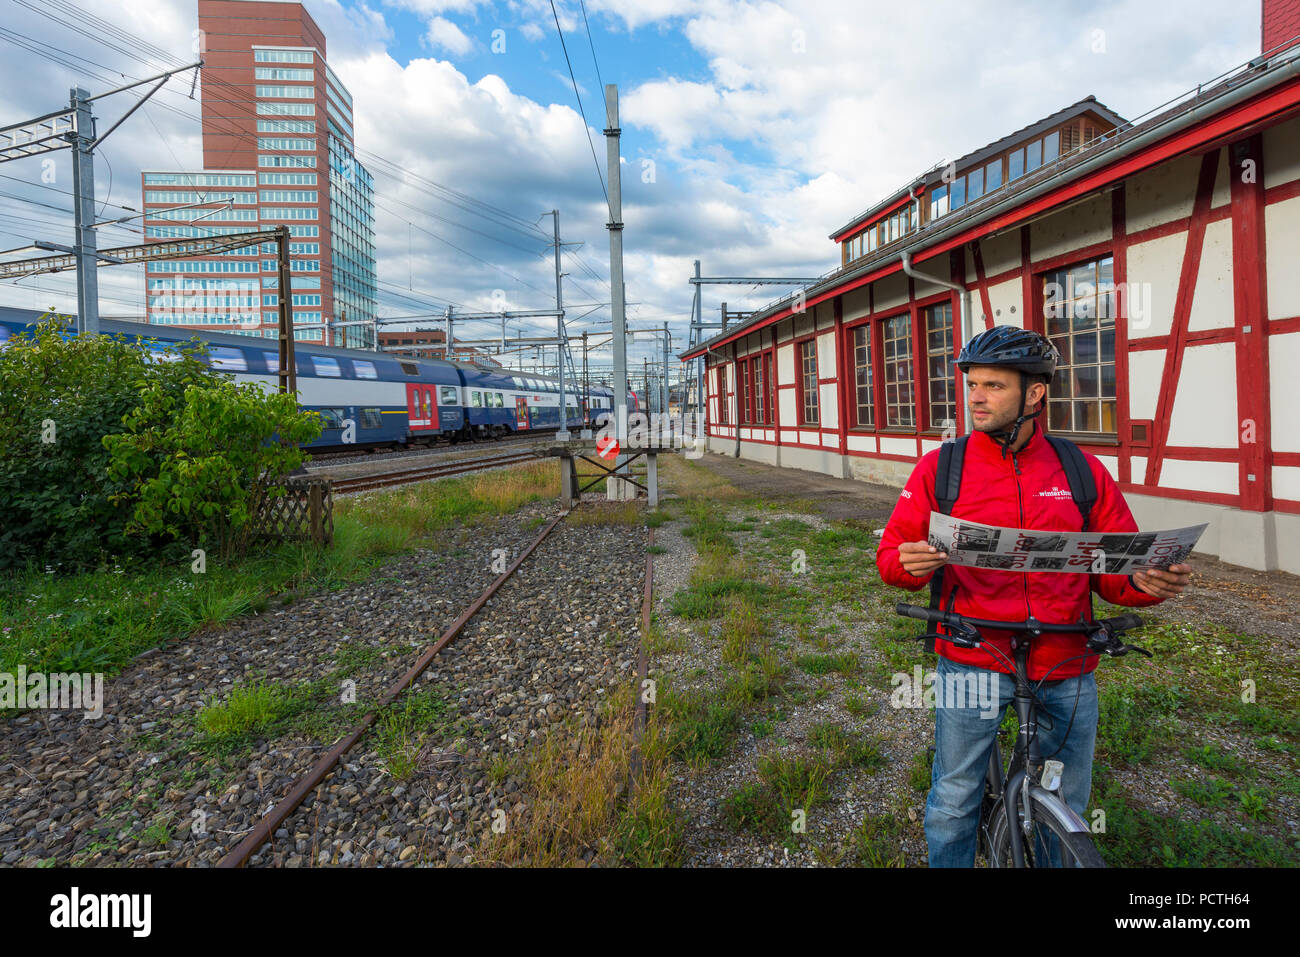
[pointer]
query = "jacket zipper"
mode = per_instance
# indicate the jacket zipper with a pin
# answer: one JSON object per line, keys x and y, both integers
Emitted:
{"x": 1024, "y": 578}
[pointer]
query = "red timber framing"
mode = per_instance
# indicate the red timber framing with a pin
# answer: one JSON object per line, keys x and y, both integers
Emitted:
{"x": 1250, "y": 298}
{"x": 1119, "y": 255}
{"x": 1191, "y": 267}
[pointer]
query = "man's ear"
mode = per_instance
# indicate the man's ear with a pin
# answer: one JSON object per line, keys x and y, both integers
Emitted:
{"x": 1034, "y": 395}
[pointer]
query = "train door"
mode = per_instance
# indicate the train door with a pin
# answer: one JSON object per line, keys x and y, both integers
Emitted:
{"x": 521, "y": 412}
{"x": 421, "y": 407}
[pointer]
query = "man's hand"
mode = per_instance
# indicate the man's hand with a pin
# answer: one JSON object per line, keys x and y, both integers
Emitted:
{"x": 920, "y": 558}
{"x": 1160, "y": 582}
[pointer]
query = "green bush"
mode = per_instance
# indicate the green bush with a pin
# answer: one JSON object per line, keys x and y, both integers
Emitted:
{"x": 115, "y": 448}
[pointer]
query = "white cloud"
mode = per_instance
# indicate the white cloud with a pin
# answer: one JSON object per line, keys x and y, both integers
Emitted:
{"x": 442, "y": 33}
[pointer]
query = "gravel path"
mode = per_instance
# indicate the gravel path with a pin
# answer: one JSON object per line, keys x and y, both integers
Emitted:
{"x": 899, "y": 734}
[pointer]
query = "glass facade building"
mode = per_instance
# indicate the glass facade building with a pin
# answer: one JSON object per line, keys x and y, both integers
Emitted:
{"x": 275, "y": 118}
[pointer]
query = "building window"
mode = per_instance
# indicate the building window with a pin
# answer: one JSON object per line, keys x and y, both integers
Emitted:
{"x": 899, "y": 402}
{"x": 1079, "y": 316}
{"x": 771, "y": 388}
{"x": 722, "y": 395}
{"x": 760, "y": 407}
{"x": 808, "y": 380}
{"x": 862, "y": 377}
{"x": 938, "y": 350}
{"x": 743, "y": 415}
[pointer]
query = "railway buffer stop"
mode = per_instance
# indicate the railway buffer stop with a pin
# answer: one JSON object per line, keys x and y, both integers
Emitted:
{"x": 619, "y": 470}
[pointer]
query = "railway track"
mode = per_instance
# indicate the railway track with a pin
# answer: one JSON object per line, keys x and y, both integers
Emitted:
{"x": 265, "y": 830}
{"x": 403, "y": 476}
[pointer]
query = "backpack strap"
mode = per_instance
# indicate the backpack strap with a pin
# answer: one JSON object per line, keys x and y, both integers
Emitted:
{"x": 947, "y": 486}
{"x": 1082, "y": 487}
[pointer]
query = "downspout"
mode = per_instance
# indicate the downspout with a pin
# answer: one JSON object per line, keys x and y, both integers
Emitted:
{"x": 963, "y": 326}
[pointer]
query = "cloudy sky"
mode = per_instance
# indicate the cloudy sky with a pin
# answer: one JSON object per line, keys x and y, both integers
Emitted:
{"x": 751, "y": 130}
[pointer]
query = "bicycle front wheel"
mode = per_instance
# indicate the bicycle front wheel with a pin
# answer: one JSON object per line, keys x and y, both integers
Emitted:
{"x": 1058, "y": 837}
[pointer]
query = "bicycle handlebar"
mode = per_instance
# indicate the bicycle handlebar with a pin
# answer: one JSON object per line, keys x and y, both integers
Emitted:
{"x": 953, "y": 619}
{"x": 1103, "y": 634}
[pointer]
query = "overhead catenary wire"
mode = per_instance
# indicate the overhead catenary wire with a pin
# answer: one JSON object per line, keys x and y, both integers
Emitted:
{"x": 106, "y": 34}
{"x": 586, "y": 127}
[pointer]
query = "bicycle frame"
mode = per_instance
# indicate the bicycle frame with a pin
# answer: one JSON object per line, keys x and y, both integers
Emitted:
{"x": 1015, "y": 790}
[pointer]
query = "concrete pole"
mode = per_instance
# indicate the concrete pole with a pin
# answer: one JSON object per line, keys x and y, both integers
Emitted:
{"x": 446, "y": 354}
{"x": 617, "y": 301}
{"x": 664, "y": 403}
{"x": 697, "y": 336}
{"x": 563, "y": 434}
{"x": 83, "y": 207}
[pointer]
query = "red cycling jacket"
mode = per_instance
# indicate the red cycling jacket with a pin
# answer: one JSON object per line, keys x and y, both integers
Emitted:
{"x": 1026, "y": 490}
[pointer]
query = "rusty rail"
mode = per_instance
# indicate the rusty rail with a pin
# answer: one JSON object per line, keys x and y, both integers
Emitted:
{"x": 321, "y": 769}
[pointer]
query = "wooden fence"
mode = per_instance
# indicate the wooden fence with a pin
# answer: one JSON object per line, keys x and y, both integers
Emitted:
{"x": 304, "y": 512}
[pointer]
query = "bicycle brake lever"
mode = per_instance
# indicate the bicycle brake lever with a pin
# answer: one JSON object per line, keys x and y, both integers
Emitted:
{"x": 1140, "y": 651}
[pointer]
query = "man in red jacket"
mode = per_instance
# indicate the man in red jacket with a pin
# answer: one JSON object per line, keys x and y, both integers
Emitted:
{"x": 1012, "y": 477}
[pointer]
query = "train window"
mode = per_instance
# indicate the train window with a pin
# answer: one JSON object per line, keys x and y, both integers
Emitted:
{"x": 499, "y": 401}
{"x": 364, "y": 369}
{"x": 427, "y": 403}
{"x": 224, "y": 357}
{"x": 476, "y": 399}
{"x": 410, "y": 368}
{"x": 372, "y": 419}
{"x": 331, "y": 418}
{"x": 448, "y": 393}
{"x": 327, "y": 366}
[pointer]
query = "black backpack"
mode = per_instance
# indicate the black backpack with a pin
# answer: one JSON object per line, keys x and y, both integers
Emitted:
{"x": 947, "y": 486}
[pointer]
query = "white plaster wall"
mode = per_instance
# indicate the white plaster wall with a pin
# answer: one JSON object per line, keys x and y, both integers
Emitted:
{"x": 1282, "y": 254}
{"x": 1155, "y": 264}
{"x": 857, "y": 303}
{"x": 828, "y": 405}
{"x": 1112, "y": 465}
{"x": 862, "y": 443}
{"x": 826, "y": 355}
{"x": 1282, "y": 153}
{"x": 803, "y": 323}
{"x": 785, "y": 406}
{"x": 1000, "y": 253}
{"x": 784, "y": 365}
{"x": 891, "y": 291}
{"x": 1205, "y": 409}
{"x": 1137, "y": 466}
{"x": 1144, "y": 369}
{"x": 1005, "y": 297}
{"x": 1162, "y": 194}
{"x": 1212, "y": 305}
{"x": 1199, "y": 476}
{"x": 897, "y": 446}
{"x": 1284, "y": 364}
{"x": 1286, "y": 482}
{"x": 1080, "y": 225}
{"x": 1222, "y": 194}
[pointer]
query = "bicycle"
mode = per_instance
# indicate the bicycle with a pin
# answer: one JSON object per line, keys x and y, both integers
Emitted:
{"x": 1030, "y": 783}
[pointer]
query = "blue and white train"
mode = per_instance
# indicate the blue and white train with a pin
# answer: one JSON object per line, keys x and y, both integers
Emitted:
{"x": 387, "y": 399}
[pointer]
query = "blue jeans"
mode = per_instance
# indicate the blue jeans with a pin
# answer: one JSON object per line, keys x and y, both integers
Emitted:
{"x": 963, "y": 740}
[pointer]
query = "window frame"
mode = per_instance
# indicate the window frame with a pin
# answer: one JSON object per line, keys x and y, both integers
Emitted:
{"x": 923, "y": 398}
{"x": 1041, "y": 278}
{"x": 802, "y": 373}
{"x": 886, "y": 425}
{"x": 851, "y": 350}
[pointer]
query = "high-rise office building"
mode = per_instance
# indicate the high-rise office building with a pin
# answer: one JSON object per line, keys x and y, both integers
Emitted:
{"x": 277, "y": 150}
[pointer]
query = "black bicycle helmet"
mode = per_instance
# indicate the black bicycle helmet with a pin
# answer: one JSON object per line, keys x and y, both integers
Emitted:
{"x": 1012, "y": 347}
